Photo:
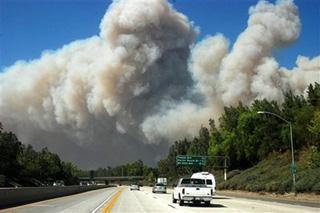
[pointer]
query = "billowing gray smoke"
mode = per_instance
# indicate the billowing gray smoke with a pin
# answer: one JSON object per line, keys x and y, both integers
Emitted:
{"x": 248, "y": 72}
{"x": 123, "y": 94}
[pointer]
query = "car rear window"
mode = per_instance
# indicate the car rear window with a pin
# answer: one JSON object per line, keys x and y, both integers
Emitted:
{"x": 192, "y": 181}
{"x": 197, "y": 181}
{"x": 209, "y": 182}
{"x": 185, "y": 181}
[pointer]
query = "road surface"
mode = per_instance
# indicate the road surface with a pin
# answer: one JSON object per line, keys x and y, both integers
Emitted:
{"x": 121, "y": 199}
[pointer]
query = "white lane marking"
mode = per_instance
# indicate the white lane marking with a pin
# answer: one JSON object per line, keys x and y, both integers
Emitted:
{"x": 104, "y": 202}
{"x": 171, "y": 206}
{"x": 138, "y": 203}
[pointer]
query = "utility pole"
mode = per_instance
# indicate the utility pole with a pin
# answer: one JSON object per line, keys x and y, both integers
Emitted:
{"x": 293, "y": 167}
{"x": 225, "y": 168}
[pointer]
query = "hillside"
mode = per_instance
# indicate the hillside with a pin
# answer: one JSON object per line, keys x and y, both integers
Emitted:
{"x": 273, "y": 174}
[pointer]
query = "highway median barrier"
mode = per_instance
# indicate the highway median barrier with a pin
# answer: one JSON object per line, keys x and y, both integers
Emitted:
{"x": 10, "y": 197}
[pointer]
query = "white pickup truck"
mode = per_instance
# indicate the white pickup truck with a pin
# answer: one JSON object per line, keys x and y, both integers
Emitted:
{"x": 192, "y": 190}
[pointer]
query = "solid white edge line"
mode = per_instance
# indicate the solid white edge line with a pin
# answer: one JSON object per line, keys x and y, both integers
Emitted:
{"x": 104, "y": 202}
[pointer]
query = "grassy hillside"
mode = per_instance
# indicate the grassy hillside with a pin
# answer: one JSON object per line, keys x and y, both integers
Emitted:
{"x": 273, "y": 174}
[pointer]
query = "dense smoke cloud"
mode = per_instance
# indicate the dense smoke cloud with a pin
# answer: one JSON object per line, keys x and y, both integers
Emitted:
{"x": 123, "y": 94}
{"x": 93, "y": 94}
{"x": 248, "y": 72}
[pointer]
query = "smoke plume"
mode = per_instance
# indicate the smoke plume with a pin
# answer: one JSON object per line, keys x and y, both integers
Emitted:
{"x": 139, "y": 84}
{"x": 246, "y": 73}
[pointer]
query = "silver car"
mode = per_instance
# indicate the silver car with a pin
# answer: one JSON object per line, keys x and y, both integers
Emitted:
{"x": 134, "y": 187}
{"x": 159, "y": 187}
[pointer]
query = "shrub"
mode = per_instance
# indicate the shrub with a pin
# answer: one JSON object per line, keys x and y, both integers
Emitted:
{"x": 254, "y": 188}
{"x": 314, "y": 157}
{"x": 272, "y": 186}
{"x": 285, "y": 186}
{"x": 307, "y": 179}
{"x": 316, "y": 188}
{"x": 233, "y": 173}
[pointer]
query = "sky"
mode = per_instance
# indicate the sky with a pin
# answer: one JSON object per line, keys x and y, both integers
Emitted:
{"x": 28, "y": 27}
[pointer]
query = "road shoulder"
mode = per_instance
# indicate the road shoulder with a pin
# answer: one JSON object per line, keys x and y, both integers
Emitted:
{"x": 310, "y": 200}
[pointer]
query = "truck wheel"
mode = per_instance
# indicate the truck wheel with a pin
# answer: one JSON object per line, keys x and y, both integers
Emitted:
{"x": 174, "y": 200}
{"x": 180, "y": 201}
{"x": 207, "y": 203}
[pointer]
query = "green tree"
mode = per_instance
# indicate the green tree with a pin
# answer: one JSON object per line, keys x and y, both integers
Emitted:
{"x": 164, "y": 168}
{"x": 69, "y": 173}
{"x": 314, "y": 94}
{"x": 50, "y": 166}
{"x": 29, "y": 159}
{"x": 200, "y": 144}
{"x": 229, "y": 120}
{"x": 10, "y": 148}
{"x": 314, "y": 128}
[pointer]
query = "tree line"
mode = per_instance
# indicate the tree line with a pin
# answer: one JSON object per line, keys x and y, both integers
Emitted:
{"x": 22, "y": 165}
{"x": 135, "y": 168}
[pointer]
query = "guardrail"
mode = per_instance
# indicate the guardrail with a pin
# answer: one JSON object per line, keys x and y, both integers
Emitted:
{"x": 17, "y": 196}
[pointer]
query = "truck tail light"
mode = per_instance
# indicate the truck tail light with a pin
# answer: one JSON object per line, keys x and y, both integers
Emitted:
{"x": 183, "y": 191}
{"x": 211, "y": 191}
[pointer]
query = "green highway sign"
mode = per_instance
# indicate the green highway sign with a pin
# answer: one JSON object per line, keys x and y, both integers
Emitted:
{"x": 189, "y": 160}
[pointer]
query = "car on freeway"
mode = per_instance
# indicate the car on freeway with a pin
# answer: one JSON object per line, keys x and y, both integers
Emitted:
{"x": 159, "y": 187}
{"x": 192, "y": 190}
{"x": 58, "y": 183}
{"x": 134, "y": 187}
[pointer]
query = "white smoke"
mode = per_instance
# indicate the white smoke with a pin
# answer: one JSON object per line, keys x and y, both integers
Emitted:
{"x": 248, "y": 72}
{"x": 136, "y": 84}
{"x": 99, "y": 90}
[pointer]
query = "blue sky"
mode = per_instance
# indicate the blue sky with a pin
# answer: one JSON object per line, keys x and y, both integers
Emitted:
{"x": 28, "y": 27}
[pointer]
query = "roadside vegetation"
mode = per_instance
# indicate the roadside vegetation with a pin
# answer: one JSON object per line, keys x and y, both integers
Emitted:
{"x": 273, "y": 175}
{"x": 258, "y": 145}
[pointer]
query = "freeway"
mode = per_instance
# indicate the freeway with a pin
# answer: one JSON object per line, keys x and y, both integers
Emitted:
{"x": 121, "y": 199}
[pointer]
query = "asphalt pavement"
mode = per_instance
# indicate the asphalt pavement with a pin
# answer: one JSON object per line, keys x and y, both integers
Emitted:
{"x": 121, "y": 199}
{"x": 90, "y": 202}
